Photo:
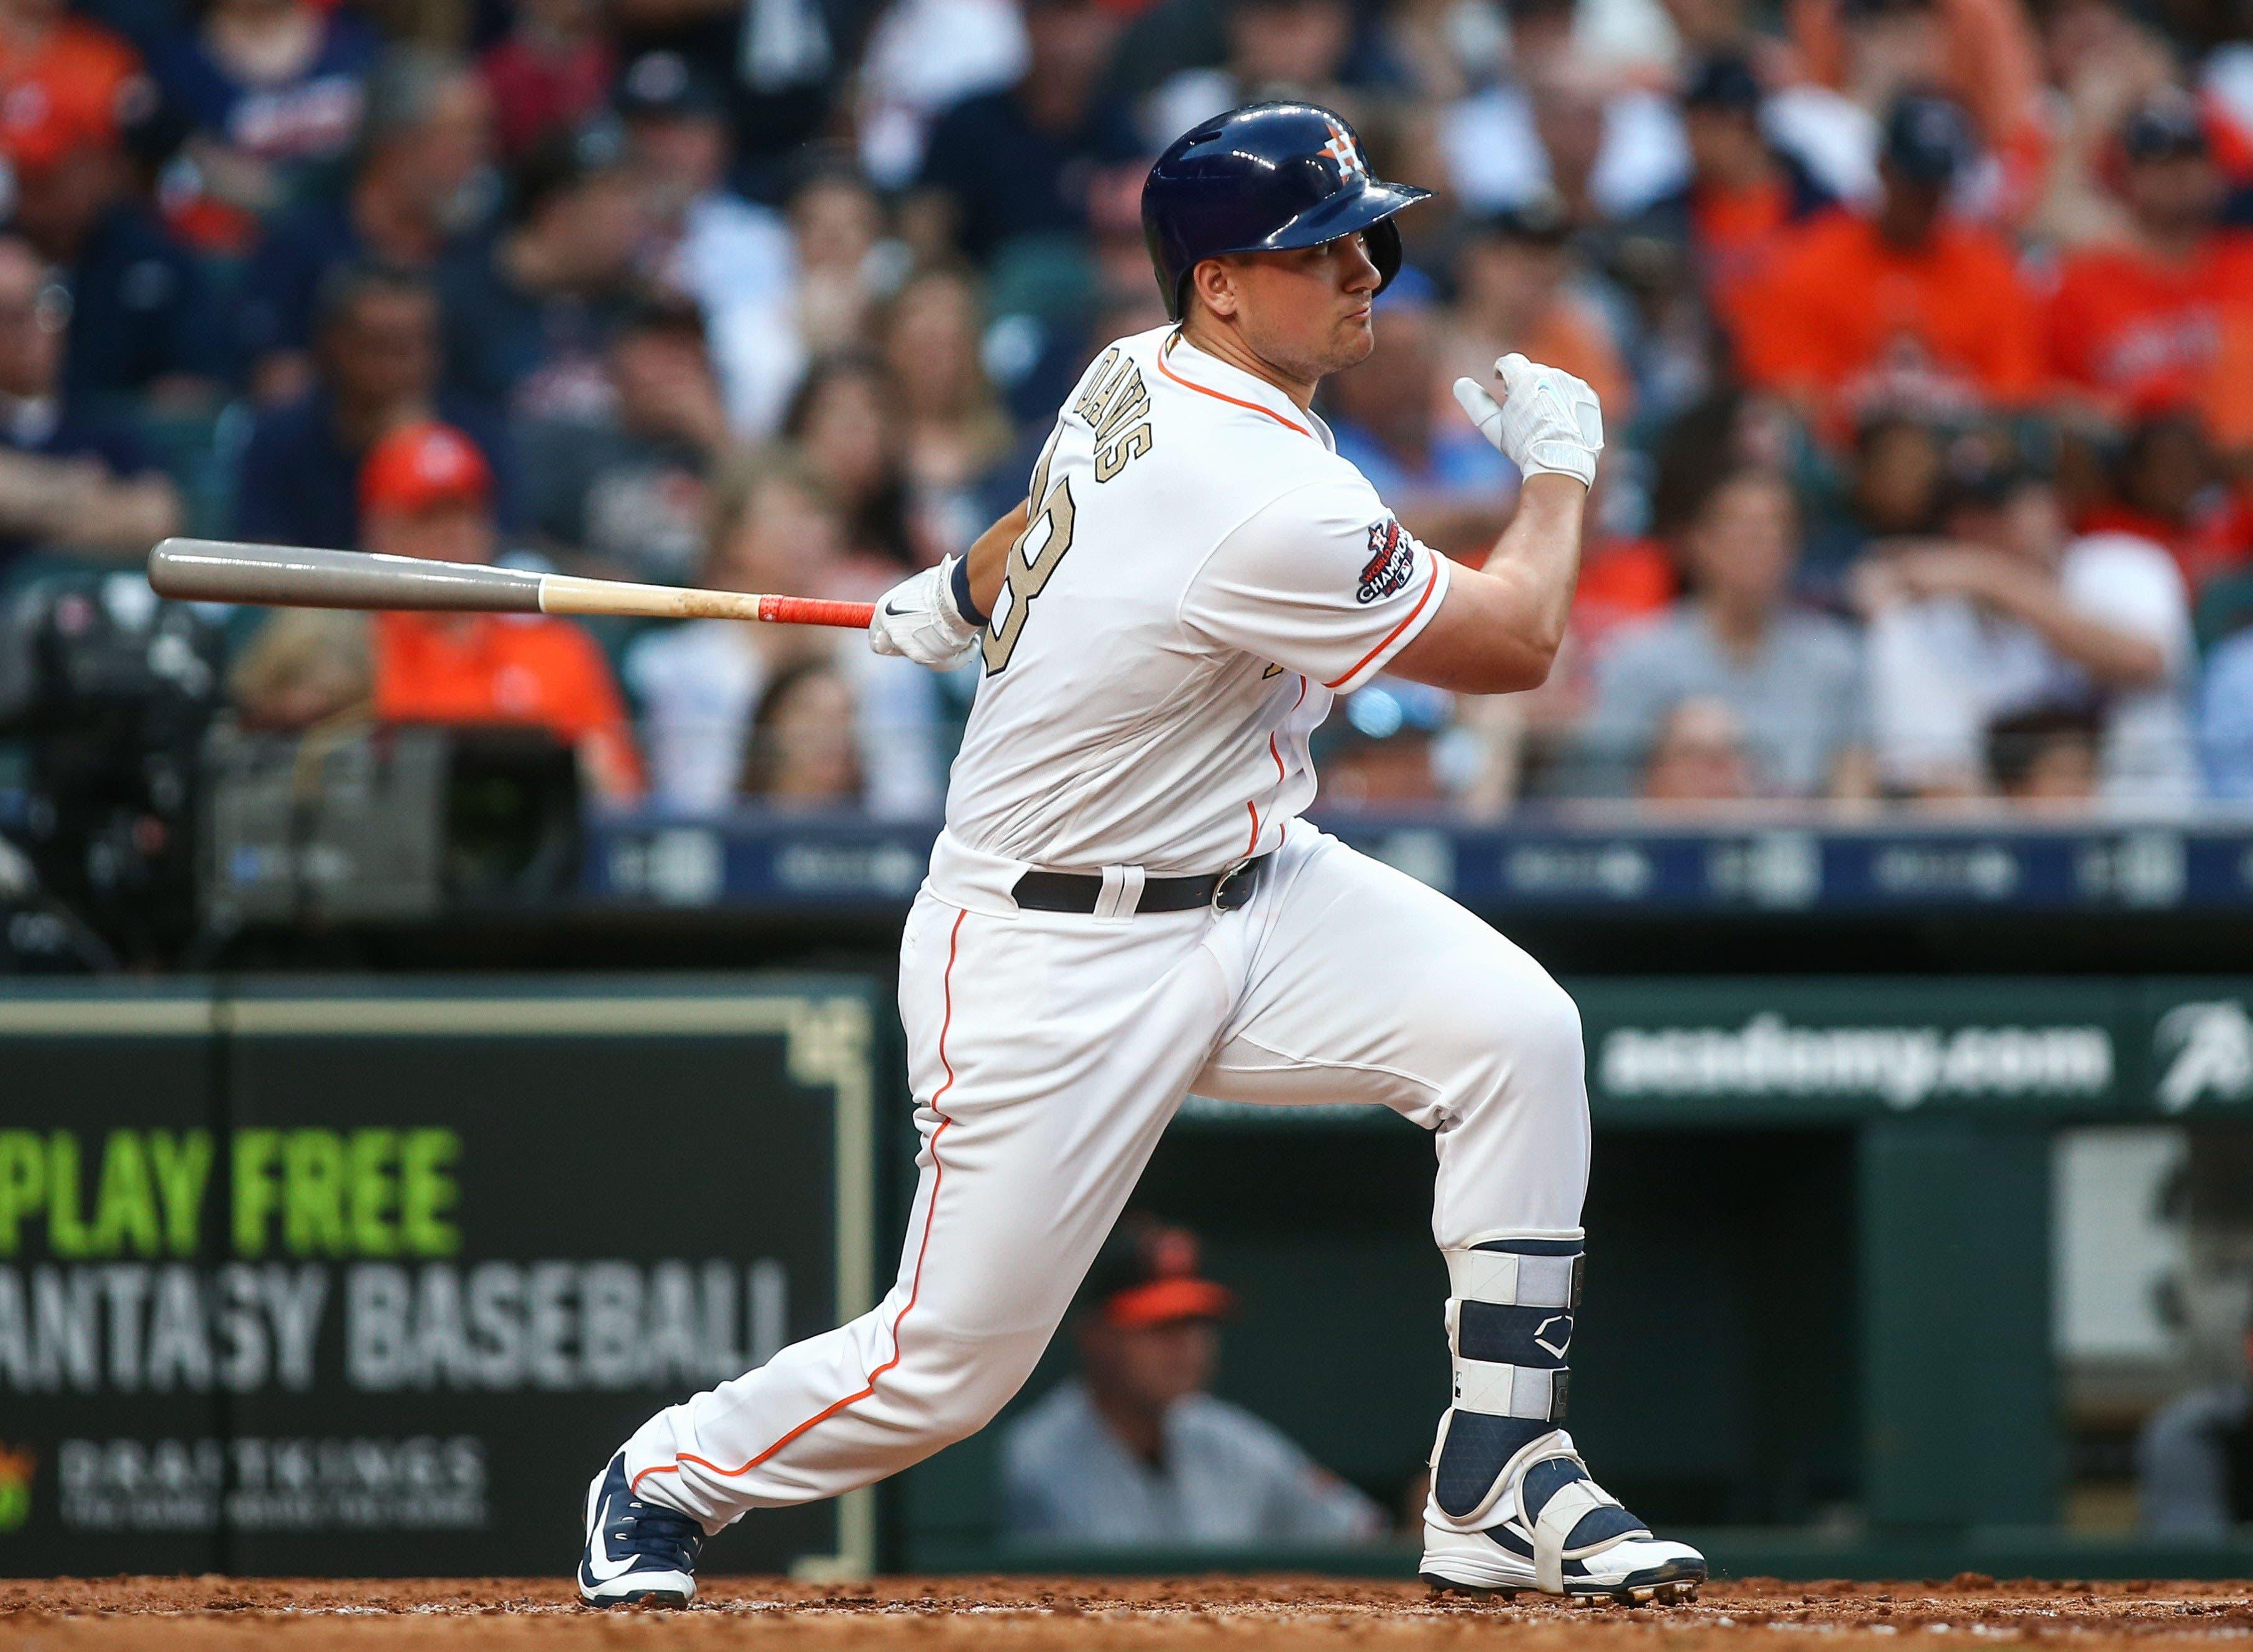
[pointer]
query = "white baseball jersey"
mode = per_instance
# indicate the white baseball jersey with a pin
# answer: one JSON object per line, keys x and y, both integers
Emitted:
{"x": 1202, "y": 574}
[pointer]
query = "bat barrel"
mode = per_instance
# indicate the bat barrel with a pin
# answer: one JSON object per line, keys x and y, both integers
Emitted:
{"x": 297, "y": 576}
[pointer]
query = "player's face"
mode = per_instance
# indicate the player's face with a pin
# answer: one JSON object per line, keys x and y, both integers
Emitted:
{"x": 2176, "y": 193}
{"x": 1744, "y": 541}
{"x": 1306, "y": 310}
{"x": 32, "y": 316}
{"x": 447, "y": 533}
{"x": 1152, "y": 1366}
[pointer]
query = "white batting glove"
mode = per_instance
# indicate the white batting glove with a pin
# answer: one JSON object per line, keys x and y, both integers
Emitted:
{"x": 917, "y": 619}
{"x": 1547, "y": 422}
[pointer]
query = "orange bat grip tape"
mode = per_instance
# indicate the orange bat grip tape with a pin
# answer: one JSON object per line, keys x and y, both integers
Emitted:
{"x": 812, "y": 610}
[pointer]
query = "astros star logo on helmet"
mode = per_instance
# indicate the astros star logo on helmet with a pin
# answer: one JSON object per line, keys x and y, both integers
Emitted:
{"x": 1343, "y": 150}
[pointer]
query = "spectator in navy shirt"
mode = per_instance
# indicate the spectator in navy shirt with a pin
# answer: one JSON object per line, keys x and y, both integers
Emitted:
{"x": 67, "y": 481}
{"x": 142, "y": 323}
{"x": 423, "y": 146}
{"x": 626, "y": 492}
{"x": 783, "y": 61}
{"x": 735, "y": 259}
{"x": 376, "y": 344}
{"x": 529, "y": 320}
{"x": 1021, "y": 162}
{"x": 273, "y": 89}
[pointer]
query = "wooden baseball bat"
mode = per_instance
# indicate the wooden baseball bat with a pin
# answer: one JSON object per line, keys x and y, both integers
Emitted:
{"x": 292, "y": 577}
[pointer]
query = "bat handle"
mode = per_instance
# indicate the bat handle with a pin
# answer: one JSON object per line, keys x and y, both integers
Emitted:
{"x": 573, "y": 593}
{"x": 814, "y": 610}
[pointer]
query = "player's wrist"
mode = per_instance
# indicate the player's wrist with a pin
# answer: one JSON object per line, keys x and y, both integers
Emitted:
{"x": 1560, "y": 458}
{"x": 954, "y": 595}
{"x": 1552, "y": 490}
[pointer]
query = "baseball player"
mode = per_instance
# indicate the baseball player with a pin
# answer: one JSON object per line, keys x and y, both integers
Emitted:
{"x": 1127, "y": 906}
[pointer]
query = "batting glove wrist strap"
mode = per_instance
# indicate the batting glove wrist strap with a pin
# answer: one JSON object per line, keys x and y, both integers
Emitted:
{"x": 958, "y": 589}
{"x": 1547, "y": 422}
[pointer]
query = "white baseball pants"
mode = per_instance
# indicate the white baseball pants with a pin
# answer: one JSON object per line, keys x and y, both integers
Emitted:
{"x": 1047, "y": 1053}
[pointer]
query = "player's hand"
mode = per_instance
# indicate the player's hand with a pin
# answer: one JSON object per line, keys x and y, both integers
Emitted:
{"x": 1547, "y": 422}
{"x": 918, "y": 619}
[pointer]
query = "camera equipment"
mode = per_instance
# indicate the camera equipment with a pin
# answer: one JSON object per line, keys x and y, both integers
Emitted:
{"x": 385, "y": 823}
{"x": 107, "y": 691}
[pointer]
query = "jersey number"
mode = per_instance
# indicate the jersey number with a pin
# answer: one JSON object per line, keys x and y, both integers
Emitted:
{"x": 1028, "y": 574}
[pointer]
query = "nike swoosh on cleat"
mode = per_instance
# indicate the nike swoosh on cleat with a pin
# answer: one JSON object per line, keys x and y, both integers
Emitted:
{"x": 598, "y": 1562}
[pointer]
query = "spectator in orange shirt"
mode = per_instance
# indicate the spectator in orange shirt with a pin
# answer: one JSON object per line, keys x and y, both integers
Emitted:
{"x": 1906, "y": 307}
{"x": 67, "y": 68}
{"x": 427, "y": 492}
{"x": 2143, "y": 321}
{"x": 1744, "y": 197}
{"x": 1984, "y": 53}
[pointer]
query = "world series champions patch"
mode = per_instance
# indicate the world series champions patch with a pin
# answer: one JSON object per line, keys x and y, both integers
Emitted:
{"x": 1391, "y": 560}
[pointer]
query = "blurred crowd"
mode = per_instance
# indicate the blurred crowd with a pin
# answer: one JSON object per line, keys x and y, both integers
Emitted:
{"x": 1924, "y": 328}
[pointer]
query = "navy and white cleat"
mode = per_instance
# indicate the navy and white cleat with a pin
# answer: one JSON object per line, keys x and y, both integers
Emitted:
{"x": 636, "y": 1553}
{"x": 1559, "y": 1533}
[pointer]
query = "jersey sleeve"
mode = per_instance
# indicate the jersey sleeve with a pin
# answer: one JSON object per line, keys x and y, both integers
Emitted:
{"x": 1322, "y": 581}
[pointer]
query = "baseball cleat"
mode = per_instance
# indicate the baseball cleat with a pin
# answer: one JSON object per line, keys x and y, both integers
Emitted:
{"x": 636, "y": 1553}
{"x": 1559, "y": 1533}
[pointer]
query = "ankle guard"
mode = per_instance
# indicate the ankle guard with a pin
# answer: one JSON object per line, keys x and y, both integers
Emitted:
{"x": 1503, "y": 1466}
{"x": 1510, "y": 1322}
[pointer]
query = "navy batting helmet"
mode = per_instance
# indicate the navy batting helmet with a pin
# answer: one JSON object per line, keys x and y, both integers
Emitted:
{"x": 1265, "y": 178}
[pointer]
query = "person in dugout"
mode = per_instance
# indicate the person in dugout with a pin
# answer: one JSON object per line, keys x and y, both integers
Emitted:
{"x": 1135, "y": 1450}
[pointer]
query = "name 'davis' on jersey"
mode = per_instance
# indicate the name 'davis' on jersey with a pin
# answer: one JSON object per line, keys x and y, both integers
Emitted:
{"x": 1114, "y": 396}
{"x": 1391, "y": 560}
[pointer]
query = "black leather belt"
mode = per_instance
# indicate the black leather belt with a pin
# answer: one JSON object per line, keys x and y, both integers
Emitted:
{"x": 1083, "y": 892}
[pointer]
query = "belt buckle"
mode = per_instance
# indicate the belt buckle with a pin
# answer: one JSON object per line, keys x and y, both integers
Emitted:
{"x": 1232, "y": 889}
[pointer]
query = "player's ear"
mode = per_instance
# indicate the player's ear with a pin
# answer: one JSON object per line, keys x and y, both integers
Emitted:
{"x": 1214, "y": 281}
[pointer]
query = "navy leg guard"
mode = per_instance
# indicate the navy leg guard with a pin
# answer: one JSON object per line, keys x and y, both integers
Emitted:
{"x": 1512, "y": 1504}
{"x": 1510, "y": 1327}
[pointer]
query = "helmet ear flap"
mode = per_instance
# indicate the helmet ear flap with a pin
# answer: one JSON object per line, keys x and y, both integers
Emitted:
{"x": 1171, "y": 282}
{"x": 1382, "y": 240}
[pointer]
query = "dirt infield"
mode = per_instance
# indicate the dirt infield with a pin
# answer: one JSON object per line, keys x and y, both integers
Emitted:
{"x": 1235, "y": 1614}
